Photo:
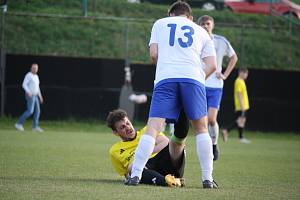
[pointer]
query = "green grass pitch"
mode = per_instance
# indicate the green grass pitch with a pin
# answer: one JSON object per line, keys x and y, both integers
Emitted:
{"x": 70, "y": 161}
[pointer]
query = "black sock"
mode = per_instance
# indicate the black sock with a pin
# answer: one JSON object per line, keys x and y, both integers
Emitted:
{"x": 241, "y": 130}
{"x": 152, "y": 177}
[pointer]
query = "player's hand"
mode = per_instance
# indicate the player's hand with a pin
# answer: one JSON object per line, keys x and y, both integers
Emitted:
{"x": 41, "y": 100}
{"x": 29, "y": 94}
{"x": 219, "y": 75}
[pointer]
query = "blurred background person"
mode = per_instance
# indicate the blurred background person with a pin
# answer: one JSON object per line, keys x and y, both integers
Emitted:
{"x": 33, "y": 96}
{"x": 241, "y": 103}
{"x": 214, "y": 83}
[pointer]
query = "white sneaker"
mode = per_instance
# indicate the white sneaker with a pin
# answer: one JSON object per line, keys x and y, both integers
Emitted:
{"x": 37, "y": 129}
{"x": 245, "y": 141}
{"x": 19, "y": 127}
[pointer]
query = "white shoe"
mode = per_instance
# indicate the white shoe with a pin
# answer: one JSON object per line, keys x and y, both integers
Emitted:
{"x": 19, "y": 127}
{"x": 245, "y": 141}
{"x": 37, "y": 129}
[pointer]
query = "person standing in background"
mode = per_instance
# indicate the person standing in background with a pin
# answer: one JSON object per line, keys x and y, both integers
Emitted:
{"x": 214, "y": 83}
{"x": 33, "y": 96}
{"x": 241, "y": 103}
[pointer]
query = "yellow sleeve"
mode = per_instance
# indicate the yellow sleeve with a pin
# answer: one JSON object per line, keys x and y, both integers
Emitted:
{"x": 238, "y": 86}
{"x": 117, "y": 165}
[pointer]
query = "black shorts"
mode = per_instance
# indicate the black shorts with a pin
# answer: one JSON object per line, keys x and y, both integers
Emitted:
{"x": 162, "y": 163}
{"x": 241, "y": 114}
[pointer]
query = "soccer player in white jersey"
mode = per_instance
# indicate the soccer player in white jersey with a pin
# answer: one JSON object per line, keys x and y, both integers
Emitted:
{"x": 214, "y": 83}
{"x": 179, "y": 48}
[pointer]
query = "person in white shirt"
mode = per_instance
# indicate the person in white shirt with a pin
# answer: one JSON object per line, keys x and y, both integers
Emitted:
{"x": 214, "y": 83}
{"x": 33, "y": 96}
{"x": 179, "y": 48}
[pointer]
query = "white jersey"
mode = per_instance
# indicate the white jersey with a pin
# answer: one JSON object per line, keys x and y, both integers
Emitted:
{"x": 223, "y": 48}
{"x": 31, "y": 84}
{"x": 181, "y": 46}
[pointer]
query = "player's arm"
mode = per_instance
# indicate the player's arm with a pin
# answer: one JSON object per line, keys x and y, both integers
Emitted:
{"x": 210, "y": 65}
{"x": 41, "y": 96}
{"x": 25, "y": 85}
{"x": 161, "y": 142}
{"x": 232, "y": 61}
{"x": 241, "y": 101}
{"x": 153, "y": 52}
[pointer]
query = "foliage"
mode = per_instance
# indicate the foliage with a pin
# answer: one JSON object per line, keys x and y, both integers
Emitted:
{"x": 104, "y": 33}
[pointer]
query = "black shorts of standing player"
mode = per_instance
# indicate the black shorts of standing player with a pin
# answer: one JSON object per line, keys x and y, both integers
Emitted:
{"x": 161, "y": 165}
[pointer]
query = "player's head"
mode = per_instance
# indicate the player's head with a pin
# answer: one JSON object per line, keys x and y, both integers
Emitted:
{"x": 207, "y": 22}
{"x": 243, "y": 73}
{"x": 34, "y": 68}
{"x": 121, "y": 126}
{"x": 180, "y": 8}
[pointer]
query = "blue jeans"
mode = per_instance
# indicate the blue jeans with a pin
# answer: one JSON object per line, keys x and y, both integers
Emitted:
{"x": 33, "y": 104}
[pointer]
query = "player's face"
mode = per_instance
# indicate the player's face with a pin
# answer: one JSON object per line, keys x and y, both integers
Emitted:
{"x": 245, "y": 75}
{"x": 208, "y": 25}
{"x": 34, "y": 69}
{"x": 124, "y": 129}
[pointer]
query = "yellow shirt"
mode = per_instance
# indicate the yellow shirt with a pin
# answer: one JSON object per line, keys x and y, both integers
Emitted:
{"x": 240, "y": 87}
{"x": 122, "y": 153}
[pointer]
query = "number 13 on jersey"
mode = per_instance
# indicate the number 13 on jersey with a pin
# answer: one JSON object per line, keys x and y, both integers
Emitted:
{"x": 188, "y": 34}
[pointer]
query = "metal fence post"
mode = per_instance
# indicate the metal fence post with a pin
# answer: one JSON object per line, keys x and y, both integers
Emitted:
{"x": 242, "y": 46}
{"x": 2, "y": 62}
{"x": 290, "y": 23}
{"x": 270, "y": 15}
{"x": 84, "y": 7}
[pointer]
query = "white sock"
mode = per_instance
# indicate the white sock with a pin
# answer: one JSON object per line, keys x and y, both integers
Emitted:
{"x": 214, "y": 133}
{"x": 142, "y": 154}
{"x": 205, "y": 155}
{"x": 172, "y": 128}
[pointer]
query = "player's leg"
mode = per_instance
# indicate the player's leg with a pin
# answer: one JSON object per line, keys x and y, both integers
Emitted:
{"x": 145, "y": 147}
{"x": 195, "y": 105}
{"x": 241, "y": 126}
{"x": 27, "y": 113}
{"x": 162, "y": 164}
{"x": 204, "y": 148}
{"x": 36, "y": 114}
{"x": 152, "y": 177}
{"x": 225, "y": 131}
{"x": 177, "y": 140}
{"x": 213, "y": 130}
{"x": 214, "y": 96}
{"x": 163, "y": 105}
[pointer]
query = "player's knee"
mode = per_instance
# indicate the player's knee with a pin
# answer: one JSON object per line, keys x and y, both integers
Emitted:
{"x": 212, "y": 121}
{"x": 200, "y": 126}
{"x": 178, "y": 140}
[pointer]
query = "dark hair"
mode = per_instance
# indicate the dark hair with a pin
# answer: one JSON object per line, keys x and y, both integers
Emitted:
{"x": 180, "y": 8}
{"x": 205, "y": 18}
{"x": 243, "y": 70}
{"x": 115, "y": 116}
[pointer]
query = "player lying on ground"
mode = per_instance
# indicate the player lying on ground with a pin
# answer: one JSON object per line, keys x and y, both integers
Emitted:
{"x": 161, "y": 169}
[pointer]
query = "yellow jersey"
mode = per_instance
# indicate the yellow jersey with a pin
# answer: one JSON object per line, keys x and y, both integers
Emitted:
{"x": 122, "y": 153}
{"x": 240, "y": 87}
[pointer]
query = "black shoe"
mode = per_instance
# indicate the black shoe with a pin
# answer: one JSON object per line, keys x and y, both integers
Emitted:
{"x": 215, "y": 152}
{"x": 210, "y": 185}
{"x": 134, "y": 181}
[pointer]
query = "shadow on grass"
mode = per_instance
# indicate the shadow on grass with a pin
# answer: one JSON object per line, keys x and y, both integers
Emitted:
{"x": 59, "y": 179}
